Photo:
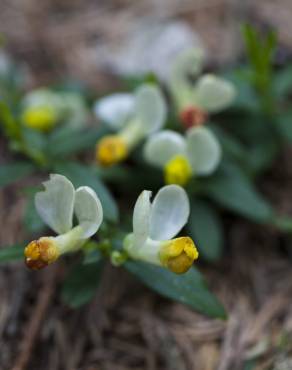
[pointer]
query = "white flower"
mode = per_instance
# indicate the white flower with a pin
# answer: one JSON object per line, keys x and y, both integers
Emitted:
{"x": 198, "y": 153}
{"x": 43, "y": 109}
{"x": 154, "y": 227}
{"x": 115, "y": 110}
{"x": 56, "y": 206}
{"x": 209, "y": 94}
{"x": 133, "y": 117}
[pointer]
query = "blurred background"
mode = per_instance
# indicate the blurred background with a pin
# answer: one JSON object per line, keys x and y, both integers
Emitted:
{"x": 89, "y": 39}
{"x": 95, "y": 42}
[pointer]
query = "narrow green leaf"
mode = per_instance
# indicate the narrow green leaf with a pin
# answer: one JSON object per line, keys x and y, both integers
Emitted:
{"x": 283, "y": 124}
{"x": 91, "y": 252}
{"x": 189, "y": 288}
{"x": 282, "y": 83}
{"x": 206, "y": 229}
{"x": 81, "y": 284}
{"x": 83, "y": 176}
{"x": 34, "y": 144}
{"x": 67, "y": 140}
{"x": 232, "y": 189}
{"x": 10, "y": 254}
{"x": 8, "y": 122}
{"x": 12, "y": 172}
{"x": 230, "y": 145}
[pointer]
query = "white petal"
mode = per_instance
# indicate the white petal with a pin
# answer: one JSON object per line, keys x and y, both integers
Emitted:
{"x": 141, "y": 218}
{"x": 55, "y": 204}
{"x": 170, "y": 212}
{"x": 188, "y": 63}
{"x": 163, "y": 146}
{"x": 204, "y": 151}
{"x": 150, "y": 108}
{"x": 115, "y": 110}
{"x": 88, "y": 210}
{"x": 213, "y": 93}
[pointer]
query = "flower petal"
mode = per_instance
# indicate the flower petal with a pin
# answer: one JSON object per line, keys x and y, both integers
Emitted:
{"x": 141, "y": 218}
{"x": 115, "y": 109}
{"x": 204, "y": 151}
{"x": 162, "y": 146}
{"x": 150, "y": 108}
{"x": 55, "y": 204}
{"x": 170, "y": 212}
{"x": 88, "y": 210}
{"x": 213, "y": 93}
{"x": 188, "y": 63}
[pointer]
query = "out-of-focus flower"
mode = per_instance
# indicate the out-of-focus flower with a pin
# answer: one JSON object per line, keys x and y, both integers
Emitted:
{"x": 5, "y": 63}
{"x": 195, "y": 100}
{"x": 196, "y": 154}
{"x": 154, "y": 227}
{"x": 133, "y": 117}
{"x": 56, "y": 206}
{"x": 43, "y": 109}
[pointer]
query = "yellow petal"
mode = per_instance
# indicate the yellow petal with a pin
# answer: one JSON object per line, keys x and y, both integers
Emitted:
{"x": 39, "y": 118}
{"x": 41, "y": 253}
{"x": 179, "y": 254}
{"x": 111, "y": 150}
{"x": 177, "y": 171}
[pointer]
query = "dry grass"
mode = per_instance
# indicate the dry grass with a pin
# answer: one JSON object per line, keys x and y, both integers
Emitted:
{"x": 127, "y": 327}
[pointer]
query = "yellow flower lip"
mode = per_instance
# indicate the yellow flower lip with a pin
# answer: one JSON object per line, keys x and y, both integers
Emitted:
{"x": 178, "y": 171}
{"x": 40, "y": 118}
{"x": 179, "y": 254}
{"x": 41, "y": 253}
{"x": 111, "y": 150}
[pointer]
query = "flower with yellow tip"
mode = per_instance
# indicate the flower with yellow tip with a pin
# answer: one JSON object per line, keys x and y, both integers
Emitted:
{"x": 111, "y": 149}
{"x": 56, "y": 206}
{"x": 154, "y": 227}
{"x": 133, "y": 117}
{"x": 40, "y": 118}
{"x": 198, "y": 153}
{"x": 196, "y": 100}
{"x": 43, "y": 109}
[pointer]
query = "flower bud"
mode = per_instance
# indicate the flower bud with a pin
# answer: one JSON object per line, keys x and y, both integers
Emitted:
{"x": 177, "y": 171}
{"x": 41, "y": 253}
{"x": 193, "y": 116}
{"x": 178, "y": 254}
{"x": 111, "y": 150}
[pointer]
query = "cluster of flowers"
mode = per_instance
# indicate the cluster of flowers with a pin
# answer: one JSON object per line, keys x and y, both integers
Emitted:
{"x": 134, "y": 118}
{"x": 154, "y": 225}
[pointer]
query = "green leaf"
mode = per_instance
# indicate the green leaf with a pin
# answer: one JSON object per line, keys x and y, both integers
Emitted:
{"x": 31, "y": 220}
{"x": 189, "y": 288}
{"x": 10, "y": 125}
{"x": 12, "y": 172}
{"x": 232, "y": 189}
{"x": 245, "y": 98}
{"x": 34, "y": 144}
{"x": 92, "y": 256}
{"x": 282, "y": 83}
{"x": 81, "y": 284}
{"x": 83, "y": 176}
{"x": 67, "y": 140}
{"x": 13, "y": 253}
{"x": 91, "y": 252}
{"x": 206, "y": 229}
{"x": 283, "y": 124}
{"x": 230, "y": 145}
